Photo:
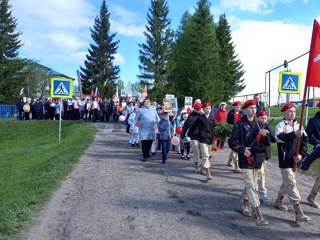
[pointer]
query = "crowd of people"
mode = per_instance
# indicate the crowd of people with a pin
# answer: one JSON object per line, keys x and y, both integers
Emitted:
{"x": 155, "y": 128}
{"x": 87, "y": 109}
{"x": 250, "y": 144}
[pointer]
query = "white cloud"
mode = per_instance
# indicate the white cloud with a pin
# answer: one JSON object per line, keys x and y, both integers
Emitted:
{"x": 129, "y": 30}
{"x": 119, "y": 59}
{"x": 264, "y": 45}
{"x": 126, "y": 22}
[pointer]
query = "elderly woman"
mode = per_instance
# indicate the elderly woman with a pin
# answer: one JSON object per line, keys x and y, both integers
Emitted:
{"x": 148, "y": 119}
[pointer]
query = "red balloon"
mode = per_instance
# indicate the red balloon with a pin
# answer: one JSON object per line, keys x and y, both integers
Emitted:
{"x": 179, "y": 130}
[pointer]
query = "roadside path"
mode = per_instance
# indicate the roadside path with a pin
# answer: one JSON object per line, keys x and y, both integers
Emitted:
{"x": 112, "y": 195}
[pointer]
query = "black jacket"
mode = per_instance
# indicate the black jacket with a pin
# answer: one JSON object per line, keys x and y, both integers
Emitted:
{"x": 203, "y": 129}
{"x": 313, "y": 129}
{"x": 263, "y": 146}
{"x": 241, "y": 138}
{"x": 231, "y": 118}
{"x": 287, "y": 143}
{"x": 190, "y": 120}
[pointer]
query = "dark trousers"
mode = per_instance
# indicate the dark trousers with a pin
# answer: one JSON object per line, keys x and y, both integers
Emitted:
{"x": 95, "y": 114}
{"x": 184, "y": 146}
{"x": 165, "y": 145}
{"x": 220, "y": 143}
{"x": 146, "y": 146}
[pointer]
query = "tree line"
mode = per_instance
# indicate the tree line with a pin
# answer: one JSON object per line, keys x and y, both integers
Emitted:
{"x": 198, "y": 59}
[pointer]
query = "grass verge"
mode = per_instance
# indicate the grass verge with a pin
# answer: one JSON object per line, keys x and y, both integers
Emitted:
{"x": 32, "y": 162}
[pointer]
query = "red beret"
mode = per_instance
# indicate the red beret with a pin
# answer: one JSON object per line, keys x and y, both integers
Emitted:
{"x": 262, "y": 113}
{"x": 236, "y": 103}
{"x": 318, "y": 105}
{"x": 249, "y": 103}
{"x": 207, "y": 104}
{"x": 197, "y": 105}
{"x": 287, "y": 106}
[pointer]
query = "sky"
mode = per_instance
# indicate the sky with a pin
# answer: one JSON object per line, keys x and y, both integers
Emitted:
{"x": 56, "y": 33}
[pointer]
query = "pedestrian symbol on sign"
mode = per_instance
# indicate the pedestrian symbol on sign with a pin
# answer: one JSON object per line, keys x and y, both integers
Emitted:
{"x": 61, "y": 90}
{"x": 289, "y": 82}
{"x": 289, "y": 85}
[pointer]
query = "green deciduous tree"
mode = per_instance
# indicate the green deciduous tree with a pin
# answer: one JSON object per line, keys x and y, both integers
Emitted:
{"x": 230, "y": 67}
{"x": 155, "y": 53}
{"x": 11, "y": 74}
{"x": 99, "y": 70}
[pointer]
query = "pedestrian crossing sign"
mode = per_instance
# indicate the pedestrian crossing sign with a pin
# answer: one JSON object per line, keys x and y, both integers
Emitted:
{"x": 289, "y": 82}
{"x": 61, "y": 88}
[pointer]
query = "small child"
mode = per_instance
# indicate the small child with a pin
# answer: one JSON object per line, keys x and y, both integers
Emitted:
{"x": 165, "y": 135}
{"x": 134, "y": 130}
{"x": 260, "y": 148}
{"x": 185, "y": 143}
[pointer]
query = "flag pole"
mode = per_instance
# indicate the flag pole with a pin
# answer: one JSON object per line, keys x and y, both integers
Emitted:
{"x": 312, "y": 74}
{"x": 295, "y": 165}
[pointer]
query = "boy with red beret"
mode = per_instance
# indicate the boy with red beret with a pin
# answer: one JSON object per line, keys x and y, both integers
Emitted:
{"x": 260, "y": 148}
{"x": 203, "y": 129}
{"x": 239, "y": 141}
{"x": 233, "y": 117}
{"x": 193, "y": 136}
{"x": 287, "y": 134}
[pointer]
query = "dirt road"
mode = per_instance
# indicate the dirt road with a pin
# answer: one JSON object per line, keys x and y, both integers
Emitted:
{"x": 112, "y": 195}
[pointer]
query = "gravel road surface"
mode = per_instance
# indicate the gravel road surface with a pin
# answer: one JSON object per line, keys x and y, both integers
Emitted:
{"x": 112, "y": 195}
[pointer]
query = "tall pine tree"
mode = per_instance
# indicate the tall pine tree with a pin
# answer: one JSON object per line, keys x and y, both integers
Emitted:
{"x": 197, "y": 68}
{"x": 231, "y": 68}
{"x": 181, "y": 60}
{"x": 154, "y": 55}
{"x": 99, "y": 70}
{"x": 11, "y": 74}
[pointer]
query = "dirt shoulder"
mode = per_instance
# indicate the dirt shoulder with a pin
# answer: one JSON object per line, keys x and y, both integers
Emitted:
{"x": 112, "y": 195}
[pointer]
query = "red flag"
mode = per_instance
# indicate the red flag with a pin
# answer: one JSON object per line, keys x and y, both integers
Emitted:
{"x": 92, "y": 93}
{"x": 313, "y": 73}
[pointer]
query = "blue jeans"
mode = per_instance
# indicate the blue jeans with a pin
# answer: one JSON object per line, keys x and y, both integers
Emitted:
{"x": 165, "y": 146}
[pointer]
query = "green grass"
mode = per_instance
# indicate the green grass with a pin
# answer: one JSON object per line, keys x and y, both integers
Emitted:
{"x": 32, "y": 162}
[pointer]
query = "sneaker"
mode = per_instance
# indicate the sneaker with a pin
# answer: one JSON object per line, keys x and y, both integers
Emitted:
{"x": 137, "y": 145}
{"x": 245, "y": 209}
{"x": 144, "y": 159}
{"x": 209, "y": 177}
{"x": 263, "y": 197}
{"x": 164, "y": 161}
{"x": 182, "y": 157}
{"x": 188, "y": 157}
{"x": 178, "y": 152}
{"x": 132, "y": 145}
{"x": 279, "y": 204}
{"x": 153, "y": 153}
{"x": 237, "y": 170}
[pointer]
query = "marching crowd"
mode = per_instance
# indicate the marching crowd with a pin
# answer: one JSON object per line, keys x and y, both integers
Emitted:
{"x": 250, "y": 142}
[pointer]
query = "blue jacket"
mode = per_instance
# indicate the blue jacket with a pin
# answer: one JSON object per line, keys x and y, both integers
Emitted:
{"x": 164, "y": 129}
{"x": 313, "y": 129}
